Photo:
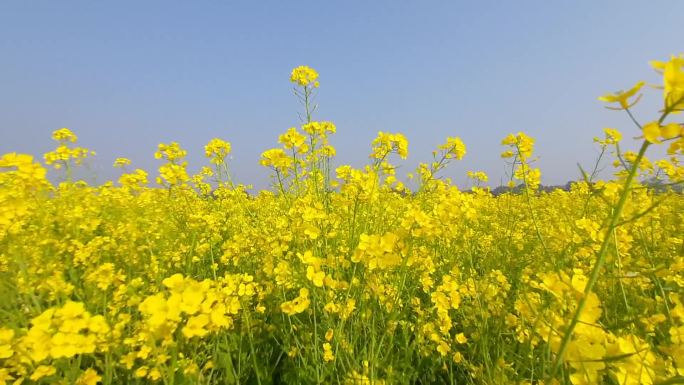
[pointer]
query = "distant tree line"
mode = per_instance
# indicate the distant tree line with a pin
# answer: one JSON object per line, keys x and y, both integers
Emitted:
{"x": 658, "y": 185}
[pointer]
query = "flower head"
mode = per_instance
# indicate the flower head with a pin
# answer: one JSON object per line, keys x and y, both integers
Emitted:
{"x": 217, "y": 150}
{"x": 64, "y": 135}
{"x": 121, "y": 162}
{"x": 304, "y": 76}
{"x": 673, "y": 82}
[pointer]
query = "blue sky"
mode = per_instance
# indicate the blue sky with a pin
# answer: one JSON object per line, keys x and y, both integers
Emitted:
{"x": 127, "y": 75}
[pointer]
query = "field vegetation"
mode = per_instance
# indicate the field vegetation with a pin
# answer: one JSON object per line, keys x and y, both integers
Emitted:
{"x": 339, "y": 275}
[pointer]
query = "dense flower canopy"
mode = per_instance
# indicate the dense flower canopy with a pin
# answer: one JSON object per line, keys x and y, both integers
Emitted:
{"x": 346, "y": 275}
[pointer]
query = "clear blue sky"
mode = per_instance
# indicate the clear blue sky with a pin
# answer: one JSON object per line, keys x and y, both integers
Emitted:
{"x": 127, "y": 75}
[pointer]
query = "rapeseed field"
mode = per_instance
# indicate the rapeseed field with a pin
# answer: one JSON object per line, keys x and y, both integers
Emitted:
{"x": 341, "y": 275}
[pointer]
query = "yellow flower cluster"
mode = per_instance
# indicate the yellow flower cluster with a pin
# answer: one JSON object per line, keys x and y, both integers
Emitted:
{"x": 379, "y": 252}
{"x": 208, "y": 305}
{"x": 293, "y": 140}
{"x": 135, "y": 180}
{"x": 480, "y": 176}
{"x": 297, "y": 305}
{"x": 304, "y": 76}
{"x": 171, "y": 152}
{"x": 64, "y": 332}
{"x": 277, "y": 159}
{"x": 64, "y": 155}
{"x": 521, "y": 144}
{"x": 386, "y": 143}
{"x": 453, "y": 148}
{"x": 64, "y": 135}
{"x": 521, "y": 148}
{"x": 217, "y": 150}
{"x": 21, "y": 178}
{"x": 612, "y": 136}
{"x": 122, "y": 162}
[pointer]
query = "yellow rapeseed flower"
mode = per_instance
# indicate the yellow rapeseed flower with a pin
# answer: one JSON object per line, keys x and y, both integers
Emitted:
{"x": 121, "y": 162}
{"x": 89, "y": 377}
{"x": 327, "y": 352}
{"x": 304, "y": 76}
{"x": 622, "y": 97}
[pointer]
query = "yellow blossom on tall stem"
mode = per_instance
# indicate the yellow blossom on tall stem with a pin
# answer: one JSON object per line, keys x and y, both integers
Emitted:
{"x": 622, "y": 97}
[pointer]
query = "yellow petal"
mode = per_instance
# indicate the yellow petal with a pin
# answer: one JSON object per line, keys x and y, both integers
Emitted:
{"x": 670, "y": 131}
{"x": 657, "y": 65}
{"x": 632, "y": 91}
{"x": 608, "y": 98}
{"x": 651, "y": 132}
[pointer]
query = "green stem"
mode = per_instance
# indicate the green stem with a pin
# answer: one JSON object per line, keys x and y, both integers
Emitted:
{"x": 252, "y": 350}
{"x": 307, "y": 92}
